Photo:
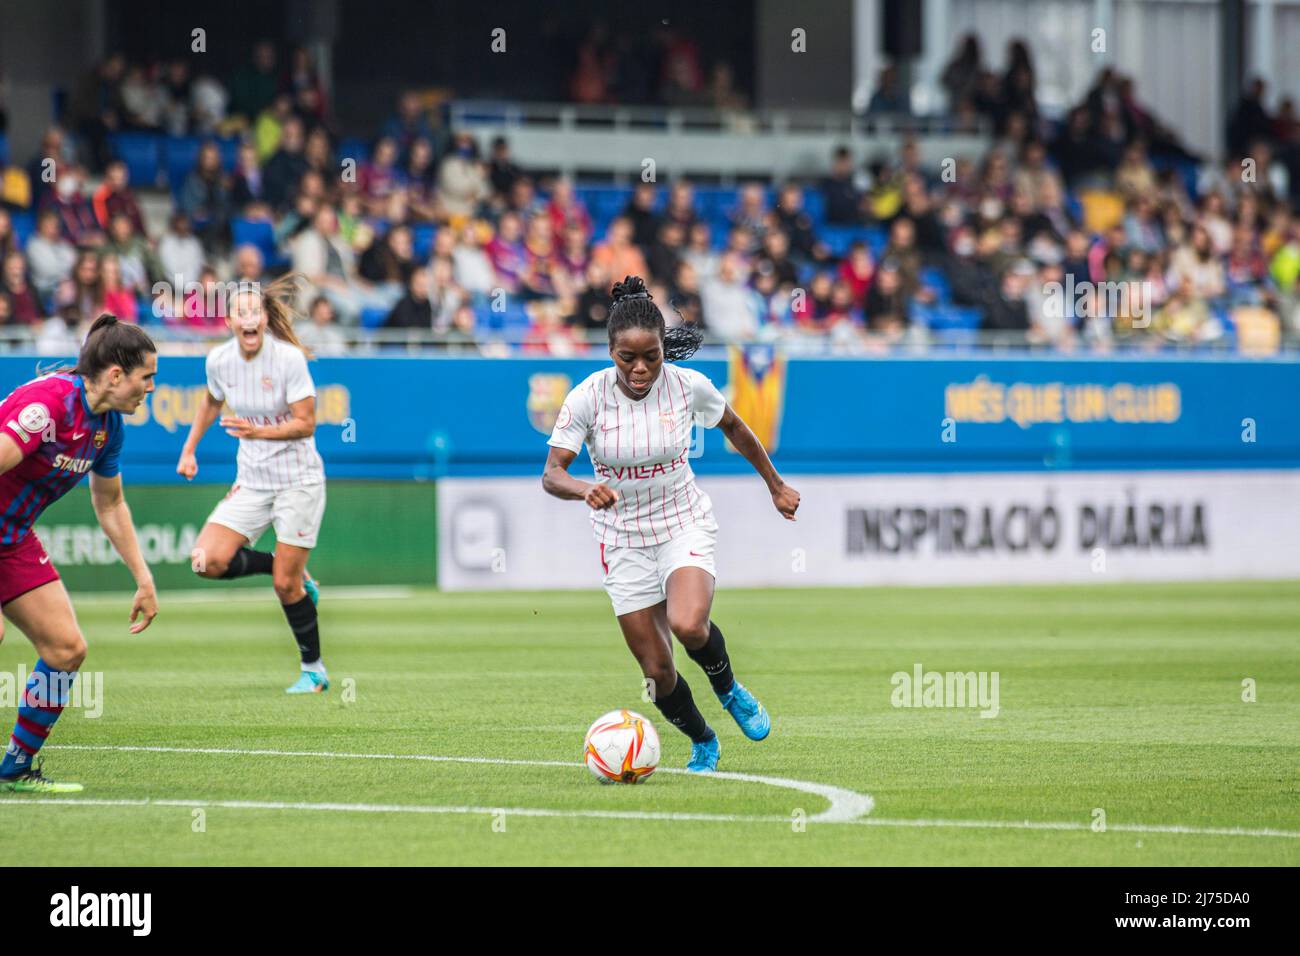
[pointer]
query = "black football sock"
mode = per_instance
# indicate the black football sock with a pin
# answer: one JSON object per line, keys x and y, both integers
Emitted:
{"x": 679, "y": 709}
{"x": 246, "y": 561}
{"x": 302, "y": 621}
{"x": 713, "y": 658}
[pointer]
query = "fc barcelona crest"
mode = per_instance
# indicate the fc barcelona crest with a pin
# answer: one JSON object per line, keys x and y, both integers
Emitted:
{"x": 101, "y": 436}
{"x": 546, "y": 394}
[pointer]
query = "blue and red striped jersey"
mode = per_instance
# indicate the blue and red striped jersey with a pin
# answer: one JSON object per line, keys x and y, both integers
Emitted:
{"x": 60, "y": 438}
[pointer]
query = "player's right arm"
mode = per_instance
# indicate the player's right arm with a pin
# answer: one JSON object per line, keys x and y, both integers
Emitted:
{"x": 11, "y": 456}
{"x": 558, "y": 482}
{"x": 207, "y": 413}
{"x": 572, "y": 427}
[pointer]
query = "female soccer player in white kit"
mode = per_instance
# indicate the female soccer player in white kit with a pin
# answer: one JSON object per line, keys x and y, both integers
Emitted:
{"x": 654, "y": 525}
{"x": 280, "y": 479}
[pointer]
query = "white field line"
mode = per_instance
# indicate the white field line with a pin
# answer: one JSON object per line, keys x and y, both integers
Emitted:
{"x": 846, "y": 806}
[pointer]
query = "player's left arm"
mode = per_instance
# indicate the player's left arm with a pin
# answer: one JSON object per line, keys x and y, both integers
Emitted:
{"x": 301, "y": 424}
{"x": 742, "y": 439}
{"x": 115, "y": 518}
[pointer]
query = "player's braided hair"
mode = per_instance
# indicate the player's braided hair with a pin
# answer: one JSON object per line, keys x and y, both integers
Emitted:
{"x": 634, "y": 307}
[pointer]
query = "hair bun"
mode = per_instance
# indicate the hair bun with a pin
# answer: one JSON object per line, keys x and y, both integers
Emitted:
{"x": 632, "y": 287}
{"x": 105, "y": 319}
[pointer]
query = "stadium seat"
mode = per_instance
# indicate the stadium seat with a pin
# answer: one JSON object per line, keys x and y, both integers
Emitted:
{"x": 1102, "y": 209}
{"x": 142, "y": 154}
{"x": 373, "y": 318}
{"x": 24, "y": 224}
{"x": 180, "y": 153}
{"x": 261, "y": 234}
{"x": 937, "y": 280}
{"x": 814, "y": 203}
{"x": 353, "y": 147}
{"x": 229, "y": 153}
{"x": 839, "y": 238}
{"x": 713, "y": 201}
{"x": 955, "y": 317}
{"x": 877, "y": 237}
{"x": 422, "y": 237}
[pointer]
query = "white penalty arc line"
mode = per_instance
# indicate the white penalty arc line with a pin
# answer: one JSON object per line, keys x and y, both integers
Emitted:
{"x": 847, "y": 806}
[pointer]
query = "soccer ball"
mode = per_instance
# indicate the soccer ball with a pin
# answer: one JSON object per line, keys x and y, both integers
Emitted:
{"x": 621, "y": 747}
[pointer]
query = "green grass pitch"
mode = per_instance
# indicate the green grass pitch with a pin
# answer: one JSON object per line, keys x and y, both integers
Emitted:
{"x": 1120, "y": 698}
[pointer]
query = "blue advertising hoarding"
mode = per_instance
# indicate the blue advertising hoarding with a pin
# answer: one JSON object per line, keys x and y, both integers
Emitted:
{"x": 421, "y": 418}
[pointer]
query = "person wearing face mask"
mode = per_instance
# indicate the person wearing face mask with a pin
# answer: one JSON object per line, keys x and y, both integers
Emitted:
{"x": 76, "y": 218}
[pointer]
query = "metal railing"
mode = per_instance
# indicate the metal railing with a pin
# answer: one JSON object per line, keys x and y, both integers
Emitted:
{"x": 916, "y": 341}
{"x": 574, "y": 116}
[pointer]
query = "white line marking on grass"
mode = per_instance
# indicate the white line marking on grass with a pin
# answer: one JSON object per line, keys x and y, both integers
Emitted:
{"x": 400, "y": 808}
{"x": 1075, "y": 825}
{"x": 845, "y": 805}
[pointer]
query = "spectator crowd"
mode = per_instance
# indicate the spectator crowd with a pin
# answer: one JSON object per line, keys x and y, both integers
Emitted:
{"x": 421, "y": 233}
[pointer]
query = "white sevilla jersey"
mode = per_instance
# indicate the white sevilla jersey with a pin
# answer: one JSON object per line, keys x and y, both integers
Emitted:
{"x": 261, "y": 389}
{"x": 640, "y": 449}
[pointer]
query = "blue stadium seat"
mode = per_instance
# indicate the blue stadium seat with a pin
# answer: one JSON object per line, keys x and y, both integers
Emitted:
{"x": 353, "y": 147}
{"x": 142, "y": 154}
{"x": 839, "y": 238}
{"x": 937, "y": 280}
{"x": 955, "y": 317}
{"x": 373, "y": 318}
{"x": 712, "y": 201}
{"x": 877, "y": 237}
{"x": 260, "y": 234}
{"x": 422, "y": 237}
{"x": 610, "y": 201}
{"x": 229, "y": 153}
{"x": 814, "y": 203}
{"x": 513, "y": 318}
{"x": 180, "y": 153}
{"x": 24, "y": 224}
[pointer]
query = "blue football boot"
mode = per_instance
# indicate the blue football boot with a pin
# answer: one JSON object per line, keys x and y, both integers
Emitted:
{"x": 750, "y": 715}
{"x": 704, "y": 757}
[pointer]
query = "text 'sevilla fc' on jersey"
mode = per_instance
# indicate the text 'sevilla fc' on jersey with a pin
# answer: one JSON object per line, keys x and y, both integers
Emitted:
{"x": 641, "y": 450}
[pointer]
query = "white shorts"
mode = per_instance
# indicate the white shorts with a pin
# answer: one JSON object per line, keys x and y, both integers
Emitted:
{"x": 295, "y": 512}
{"x": 637, "y": 578}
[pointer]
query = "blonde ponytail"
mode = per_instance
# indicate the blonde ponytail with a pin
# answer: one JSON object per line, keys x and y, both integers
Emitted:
{"x": 277, "y": 297}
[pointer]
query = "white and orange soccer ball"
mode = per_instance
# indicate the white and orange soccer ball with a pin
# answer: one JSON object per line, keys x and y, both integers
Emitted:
{"x": 621, "y": 747}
